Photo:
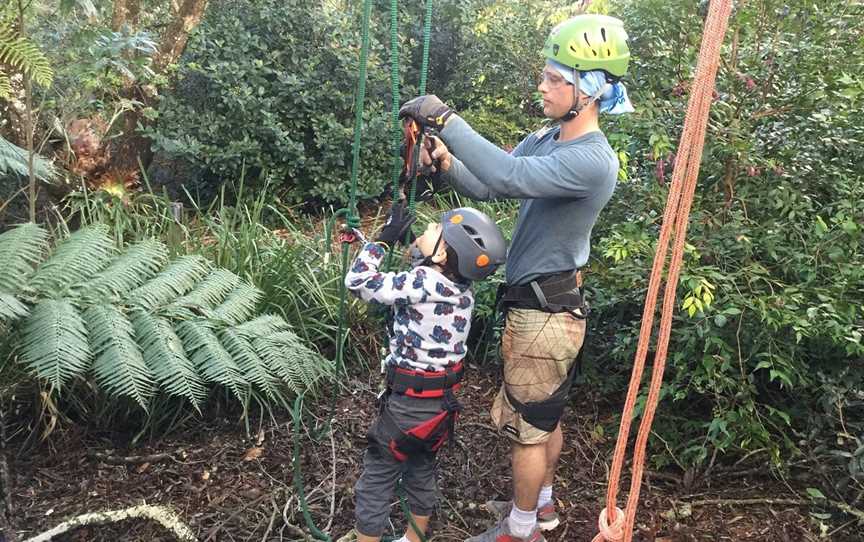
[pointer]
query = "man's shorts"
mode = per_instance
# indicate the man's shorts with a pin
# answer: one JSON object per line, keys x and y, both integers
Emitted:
{"x": 538, "y": 349}
{"x": 375, "y": 490}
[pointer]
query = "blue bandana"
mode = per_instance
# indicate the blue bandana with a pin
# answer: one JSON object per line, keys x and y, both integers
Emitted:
{"x": 614, "y": 101}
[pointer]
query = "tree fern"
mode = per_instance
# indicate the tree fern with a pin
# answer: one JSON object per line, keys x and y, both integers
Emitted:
{"x": 250, "y": 363}
{"x": 54, "y": 342}
{"x": 164, "y": 355}
{"x": 207, "y": 294}
{"x": 264, "y": 325}
{"x": 13, "y": 161}
{"x": 119, "y": 365}
{"x": 21, "y": 248}
{"x": 22, "y": 54}
{"x": 239, "y": 305}
{"x": 128, "y": 271}
{"x": 143, "y": 330}
{"x": 295, "y": 364}
{"x": 179, "y": 277}
{"x": 211, "y": 359}
{"x": 10, "y": 308}
{"x": 84, "y": 254}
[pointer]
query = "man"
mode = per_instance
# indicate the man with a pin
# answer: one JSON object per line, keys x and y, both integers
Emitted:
{"x": 563, "y": 176}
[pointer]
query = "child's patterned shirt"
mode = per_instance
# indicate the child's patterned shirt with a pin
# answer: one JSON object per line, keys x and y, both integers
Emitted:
{"x": 431, "y": 313}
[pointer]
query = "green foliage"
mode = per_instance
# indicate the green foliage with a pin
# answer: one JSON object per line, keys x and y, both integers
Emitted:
{"x": 21, "y": 54}
{"x": 267, "y": 87}
{"x": 140, "y": 326}
{"x": 14, "y": 161}
{"x": 767, "y": 342}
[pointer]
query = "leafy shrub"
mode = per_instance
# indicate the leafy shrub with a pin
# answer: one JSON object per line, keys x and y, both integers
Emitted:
{"x": 268, "y": 86}
{"x": 770, "y": 323}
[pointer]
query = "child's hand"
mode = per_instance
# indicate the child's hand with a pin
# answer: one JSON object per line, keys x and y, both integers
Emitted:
{"x": 398, "y": 225}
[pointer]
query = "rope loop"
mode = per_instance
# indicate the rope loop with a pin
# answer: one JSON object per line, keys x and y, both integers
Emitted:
{"x": 352, "y": 220}
{"x": 610, "y": 533}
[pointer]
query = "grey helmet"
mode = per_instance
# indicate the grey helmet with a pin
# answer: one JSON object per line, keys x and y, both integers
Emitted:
{"x": 476, "y": 240}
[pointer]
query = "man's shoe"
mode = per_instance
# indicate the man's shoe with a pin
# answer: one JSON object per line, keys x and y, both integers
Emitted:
{"x": 547, "y": 517}
{"x": 500, "y": 532}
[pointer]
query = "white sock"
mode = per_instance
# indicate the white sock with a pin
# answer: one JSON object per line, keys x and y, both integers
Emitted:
{"x": 521, "y": 522}
{"x": 545, "y": 496}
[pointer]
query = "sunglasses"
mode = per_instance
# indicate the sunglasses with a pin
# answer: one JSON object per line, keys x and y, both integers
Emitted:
{"x": 552, "y": 80}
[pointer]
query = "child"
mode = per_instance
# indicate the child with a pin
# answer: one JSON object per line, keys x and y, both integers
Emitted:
{"x": 432, "y": 305}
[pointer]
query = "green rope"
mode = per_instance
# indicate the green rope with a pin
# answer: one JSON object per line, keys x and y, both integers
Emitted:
{"x": 427, "y": 33}
{"x": 298, "y": 474}
{"x": 424, "y": 74}
{"x": 351, "y": 221}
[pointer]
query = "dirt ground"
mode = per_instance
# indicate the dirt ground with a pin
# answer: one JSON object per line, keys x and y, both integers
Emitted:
{"x": 228, "y": 486}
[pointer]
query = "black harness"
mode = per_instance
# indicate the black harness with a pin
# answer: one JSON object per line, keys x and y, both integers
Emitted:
{"x": 561, "y": 292}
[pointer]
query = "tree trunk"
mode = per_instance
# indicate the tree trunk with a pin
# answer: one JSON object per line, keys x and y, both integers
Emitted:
{"x": 132, "y": 148}
{"x": 175, "y": 37}
{"x": 118, "y": 18}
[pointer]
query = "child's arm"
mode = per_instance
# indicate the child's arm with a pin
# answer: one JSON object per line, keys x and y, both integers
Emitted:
{"x": 366, "y": 282}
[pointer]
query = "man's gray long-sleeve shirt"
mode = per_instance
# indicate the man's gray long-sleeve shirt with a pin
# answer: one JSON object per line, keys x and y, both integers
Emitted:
{"x": 563, "y": 187}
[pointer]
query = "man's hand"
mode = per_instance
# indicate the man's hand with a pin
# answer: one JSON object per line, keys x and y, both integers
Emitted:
{"x": 427, "y": 111}
{"x": 397, "y": 226}
{"x": 435, "y": 154}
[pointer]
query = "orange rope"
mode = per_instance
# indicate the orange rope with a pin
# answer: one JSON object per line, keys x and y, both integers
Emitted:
{"x": 614, "y": 524}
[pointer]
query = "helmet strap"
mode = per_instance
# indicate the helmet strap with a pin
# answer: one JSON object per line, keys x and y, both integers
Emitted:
{"x": 577, "y": 106}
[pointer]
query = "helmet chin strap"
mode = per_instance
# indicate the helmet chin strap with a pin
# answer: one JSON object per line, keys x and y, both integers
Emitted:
{"x": 578, "y": 107}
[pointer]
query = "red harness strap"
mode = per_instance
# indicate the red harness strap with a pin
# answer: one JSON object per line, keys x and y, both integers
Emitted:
{"x": 424, "y": 384}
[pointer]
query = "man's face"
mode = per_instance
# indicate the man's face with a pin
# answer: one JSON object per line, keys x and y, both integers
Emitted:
{"x": 557, "y": 93}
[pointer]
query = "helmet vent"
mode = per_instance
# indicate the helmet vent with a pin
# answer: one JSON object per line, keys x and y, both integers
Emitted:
{"x": 603, "y": 33}
{"x": 585, "y": 35}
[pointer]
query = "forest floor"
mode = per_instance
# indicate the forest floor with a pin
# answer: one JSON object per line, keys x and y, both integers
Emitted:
{"x": 229, "y": 486}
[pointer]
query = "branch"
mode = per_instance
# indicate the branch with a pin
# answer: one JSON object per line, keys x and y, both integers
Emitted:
{"x": 746, "y": 502}
{"x": 129, "y": 460}
{"x": 159, "y": 514}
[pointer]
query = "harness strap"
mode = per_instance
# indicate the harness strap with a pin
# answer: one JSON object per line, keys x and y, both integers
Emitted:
{"x": 425, "y": 438}
{"x": 424, "y": 384}
{"x": 554, "y": 293}
{"x": 546, "y": 414}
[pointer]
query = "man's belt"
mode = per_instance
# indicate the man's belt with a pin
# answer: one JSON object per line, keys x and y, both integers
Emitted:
{"x": 424, "y": 384}
{"x": 561, "y": 292}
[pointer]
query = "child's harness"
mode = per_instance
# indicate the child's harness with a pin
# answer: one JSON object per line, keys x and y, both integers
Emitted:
{"x": 429, "y": 436}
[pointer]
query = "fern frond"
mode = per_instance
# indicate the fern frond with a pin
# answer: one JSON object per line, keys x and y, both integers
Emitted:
{"x": 5, "y": 87}
{"x": 264, "y": 325}
{"x": 22, "y": 54}
{"x": 84, "y": 254}
{"x": 208, "y": 293}
{"x": 54, "y": 342}
{"x": 11, "y": 309}
{"x": 291, "y": 361}
{"x": 21, "y": 248}
{"x": 164, "y": 355}
{"x": 119, "y": 366}
{"x": 238, "y": 305}
{"x": 128, "y": 271}
{"x": 13, "y": 161}
{"x": 211, "y": 359}
{"x": 175, "y": 280}
{"x": 251, "y": 365}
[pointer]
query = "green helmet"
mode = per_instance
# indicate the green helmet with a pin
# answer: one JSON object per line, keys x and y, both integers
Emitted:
{"x": 590, "y": 42}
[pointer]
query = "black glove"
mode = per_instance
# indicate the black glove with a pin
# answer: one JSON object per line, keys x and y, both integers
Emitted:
{"x": 427, "y": 111}
{"x": 398, "y": 225}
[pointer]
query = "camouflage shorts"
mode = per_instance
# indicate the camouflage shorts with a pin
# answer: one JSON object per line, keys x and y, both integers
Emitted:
{"x": 538, "y": 349}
